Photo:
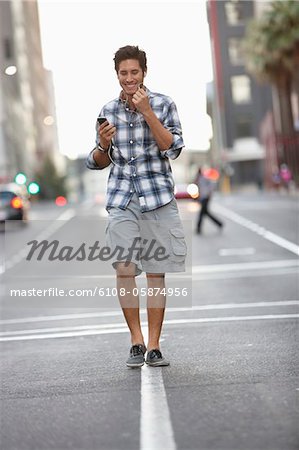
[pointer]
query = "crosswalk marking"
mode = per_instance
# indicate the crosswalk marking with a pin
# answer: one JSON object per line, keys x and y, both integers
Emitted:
{"x": 123, "y": 329}
{"x": 258, "y": 229}
{"x": 118, "y": 312}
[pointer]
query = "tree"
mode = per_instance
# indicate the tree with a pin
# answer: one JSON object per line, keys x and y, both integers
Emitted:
{"x": 272, "y": 54}
{"x": 51, "y": 183}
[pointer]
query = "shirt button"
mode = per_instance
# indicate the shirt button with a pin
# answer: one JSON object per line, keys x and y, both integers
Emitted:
{"x": 131, "y": 142}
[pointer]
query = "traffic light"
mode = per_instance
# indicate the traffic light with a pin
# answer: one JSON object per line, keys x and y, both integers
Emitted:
{"x": 61, "y": 200}
{"x": 20, "y": 178}
{"x": 33, "y": 188}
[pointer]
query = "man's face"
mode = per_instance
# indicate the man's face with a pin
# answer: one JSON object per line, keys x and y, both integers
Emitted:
{"x": 130, "y": 75}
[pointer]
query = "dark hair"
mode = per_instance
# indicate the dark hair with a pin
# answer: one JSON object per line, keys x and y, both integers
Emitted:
{"x": 130, "y": 52}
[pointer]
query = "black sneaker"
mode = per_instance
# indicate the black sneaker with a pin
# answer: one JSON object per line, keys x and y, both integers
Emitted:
{"x": 154, "y": 358}
{"x": 136, "y": 358}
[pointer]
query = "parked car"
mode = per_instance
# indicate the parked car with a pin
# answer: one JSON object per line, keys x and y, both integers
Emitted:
{"x": 186, "y": 191}
{"x": 14, "y": 202}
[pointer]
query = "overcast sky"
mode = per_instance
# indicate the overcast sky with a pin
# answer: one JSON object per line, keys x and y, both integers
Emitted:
{"x": 79, "y": 41}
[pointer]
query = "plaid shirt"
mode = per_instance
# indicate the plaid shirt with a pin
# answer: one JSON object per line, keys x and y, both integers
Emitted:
{"x": 140, "y": 166}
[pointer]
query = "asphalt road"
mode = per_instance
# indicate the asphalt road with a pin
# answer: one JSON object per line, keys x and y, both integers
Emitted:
{"x": 233, "y": 378}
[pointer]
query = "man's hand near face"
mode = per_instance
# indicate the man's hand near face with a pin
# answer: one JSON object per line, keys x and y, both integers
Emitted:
{"x": 140, "y": 101}
{"x": 162, "y": 136}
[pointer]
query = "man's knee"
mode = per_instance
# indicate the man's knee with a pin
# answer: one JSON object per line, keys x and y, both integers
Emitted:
{"x": 125, "y": 270}
{"x": 155, "y": 275}
{"x": 155, "y": 278}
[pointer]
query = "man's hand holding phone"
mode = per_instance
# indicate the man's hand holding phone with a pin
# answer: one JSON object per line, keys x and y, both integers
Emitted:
{"x": 105, "y": 132}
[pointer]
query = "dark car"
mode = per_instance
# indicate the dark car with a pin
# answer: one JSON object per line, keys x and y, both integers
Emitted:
{"x": 14, "y": 202}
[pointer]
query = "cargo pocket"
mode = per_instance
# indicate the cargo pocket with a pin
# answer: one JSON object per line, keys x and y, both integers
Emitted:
{"x": 178, "y": 244}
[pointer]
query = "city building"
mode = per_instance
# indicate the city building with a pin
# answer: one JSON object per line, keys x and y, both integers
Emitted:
{"x": 238, "y": 104}
{"x": 27, "y": 108}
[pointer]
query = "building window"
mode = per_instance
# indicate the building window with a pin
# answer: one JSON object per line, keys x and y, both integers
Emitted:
{"x": 243, "y": 126}
{"x": 8, "y": 52}
{"x": 235, "y": 52}
{"x": 233, "y": 12}
{"x": 241, "y": 89}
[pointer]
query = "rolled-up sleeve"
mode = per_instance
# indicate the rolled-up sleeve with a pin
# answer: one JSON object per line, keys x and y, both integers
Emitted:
{"x": 172, "y": 123}
{"x": 90, "y": 162}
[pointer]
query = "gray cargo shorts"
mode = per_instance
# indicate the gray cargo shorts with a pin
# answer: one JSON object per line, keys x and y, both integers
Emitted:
{"x": 154, "y": 240}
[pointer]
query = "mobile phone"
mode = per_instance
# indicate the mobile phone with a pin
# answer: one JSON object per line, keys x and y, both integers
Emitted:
{"x": 101, "y": 120}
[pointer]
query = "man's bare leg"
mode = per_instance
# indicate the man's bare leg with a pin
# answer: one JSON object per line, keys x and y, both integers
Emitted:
{"x": 155, "y": 309}
{"x": 130, "y": 304}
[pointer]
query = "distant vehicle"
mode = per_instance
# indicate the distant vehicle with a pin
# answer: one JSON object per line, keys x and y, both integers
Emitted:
{"x": 182, "y": 191}
{"x": 14, "y": 202}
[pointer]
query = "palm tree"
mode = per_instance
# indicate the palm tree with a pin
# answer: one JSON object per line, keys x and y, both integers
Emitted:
{"x": 272, "y": 49}
{"x": 271, "y": 46}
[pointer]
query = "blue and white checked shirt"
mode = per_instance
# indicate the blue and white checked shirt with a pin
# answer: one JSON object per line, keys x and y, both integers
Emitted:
{"x": 141, "y": 166}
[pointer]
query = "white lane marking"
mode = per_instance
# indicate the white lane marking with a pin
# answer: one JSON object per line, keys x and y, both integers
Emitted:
{"x": 231, "y": 319}
{"x": 144, "y": 311}
{"x": 156, "y": 430}
{"x": 267, "y": 272}
{"x": 62, "y": 329}
{"x": 235, "y": 306}
{"x": 166, "y": 322}
{"x": 266, "y": 234}
{"x": 197, "y": 269}
{"x": 237, "y": 267}
{"x": 54, "y": 226}
{"x": 236, "y": 251}
{"x": 243, "y": 274}
{"x": 261, "y": 206}
{"x": 61, "y": 317}
{"x": 64, "y": 335}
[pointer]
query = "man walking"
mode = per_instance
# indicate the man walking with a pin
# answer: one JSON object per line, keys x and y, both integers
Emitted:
{"x": 141, "y": 133}
{"x": 206, "y": 189}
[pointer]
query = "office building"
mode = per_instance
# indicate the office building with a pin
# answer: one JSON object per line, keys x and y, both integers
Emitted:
{"x": 239, "y": 103}
{"x": 27, "y": 112}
